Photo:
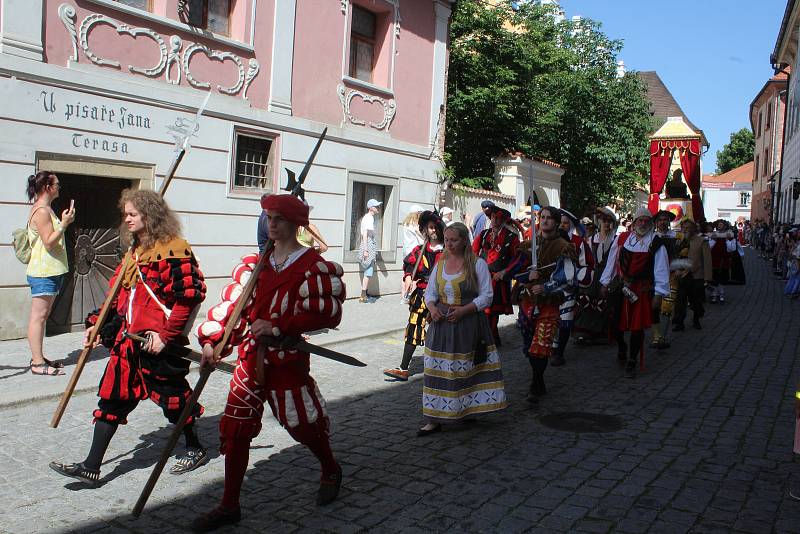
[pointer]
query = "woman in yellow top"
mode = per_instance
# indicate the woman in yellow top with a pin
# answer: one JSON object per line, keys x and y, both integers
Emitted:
{"x": 48, "y": 265}
{"x": 309, "y": 235}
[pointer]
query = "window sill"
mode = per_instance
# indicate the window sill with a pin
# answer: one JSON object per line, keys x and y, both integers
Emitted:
{"x": 361, "y": 84}
{"x": 146, "y": 15}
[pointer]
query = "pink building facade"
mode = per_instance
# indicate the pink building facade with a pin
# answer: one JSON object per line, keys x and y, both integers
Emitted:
{"x": 766, "y": 121}
{"x": 95, "y": 91}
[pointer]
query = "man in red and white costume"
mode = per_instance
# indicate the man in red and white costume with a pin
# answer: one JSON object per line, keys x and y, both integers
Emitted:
{"x": 297, "y": 291}
{"x": 639, "y": 265}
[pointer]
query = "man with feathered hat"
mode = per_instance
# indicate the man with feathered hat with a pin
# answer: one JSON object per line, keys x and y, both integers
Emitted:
{"x": 638, "y": 266}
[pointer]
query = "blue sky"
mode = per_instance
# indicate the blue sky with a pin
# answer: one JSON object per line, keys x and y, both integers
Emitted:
{"x": 713, "y": 55}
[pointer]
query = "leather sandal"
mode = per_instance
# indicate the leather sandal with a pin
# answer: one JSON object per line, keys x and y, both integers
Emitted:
{"x": 77, "y": 471}
{"x": 191, "y": 460}
{"x": 45, "y": 369}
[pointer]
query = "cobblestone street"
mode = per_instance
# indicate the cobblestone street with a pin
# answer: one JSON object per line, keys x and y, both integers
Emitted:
{"x": 705, "y": 446}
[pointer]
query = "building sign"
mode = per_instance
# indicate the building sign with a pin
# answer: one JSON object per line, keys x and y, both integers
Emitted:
{"x": 92, "y": 112}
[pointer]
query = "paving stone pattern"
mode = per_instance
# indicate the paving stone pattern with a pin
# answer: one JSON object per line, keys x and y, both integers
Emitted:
{"x": 706, "y": 446}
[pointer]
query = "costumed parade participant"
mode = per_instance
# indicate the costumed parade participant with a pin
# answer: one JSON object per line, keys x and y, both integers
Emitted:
{"x": 691, "y": 288}
{"x": 462, "y": 366}
{"x": 661, "y": 317}
{"x": 584, "y": 268}
{"x": 497, "y": 246}
{"x": 722, "y": 244}
{"x": 297, "y": 291}
{"x": 417, "y": 267}
{"x": 542, "y": 292}
{"x": 638, "y": 266}
{"x": 593, "y": 322}
{"x": 161, "y": 289}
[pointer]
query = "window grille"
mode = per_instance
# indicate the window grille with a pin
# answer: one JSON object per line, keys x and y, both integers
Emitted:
{"x": 254, "y": 163}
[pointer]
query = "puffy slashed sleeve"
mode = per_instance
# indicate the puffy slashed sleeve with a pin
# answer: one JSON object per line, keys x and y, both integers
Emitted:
{"x": 585, "y": 267}
{"x": 319, "y": 300}
{"x": 211, "y": 330}
{"x": 485, "y": 293}
{"x": 411, "y": 260}
{"x": 563, "y": 277}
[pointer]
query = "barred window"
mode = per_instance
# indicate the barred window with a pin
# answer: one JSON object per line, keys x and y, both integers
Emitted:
{"x": 254, "y": 163}
{"x": 141, "y": 4}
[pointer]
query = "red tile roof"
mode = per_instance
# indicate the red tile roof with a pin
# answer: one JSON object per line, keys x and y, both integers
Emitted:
{"x": 740, "y": 174}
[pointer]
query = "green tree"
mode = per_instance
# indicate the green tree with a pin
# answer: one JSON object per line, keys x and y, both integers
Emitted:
{"x": 519, "y": 81}
{"x": 737, "y": 152}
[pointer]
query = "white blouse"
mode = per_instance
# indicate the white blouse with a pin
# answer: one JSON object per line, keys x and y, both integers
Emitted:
{"x": 485, "y": 293}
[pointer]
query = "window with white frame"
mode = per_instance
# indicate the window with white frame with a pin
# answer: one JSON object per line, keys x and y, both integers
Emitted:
{"x": 362, "y": 188}
{"x": 362, "y": 44}
{"x": 253, "y": 162}
{"x": 140, "y": 4}
{"x": 211, "y": 15}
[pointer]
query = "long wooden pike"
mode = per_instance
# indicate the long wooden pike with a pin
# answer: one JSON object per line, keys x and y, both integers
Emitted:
{"x": 182, "y": 145}
{"x": 296, "y": 188}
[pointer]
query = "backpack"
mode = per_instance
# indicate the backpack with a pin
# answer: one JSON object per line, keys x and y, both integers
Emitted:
{"x": 22, "y": 245}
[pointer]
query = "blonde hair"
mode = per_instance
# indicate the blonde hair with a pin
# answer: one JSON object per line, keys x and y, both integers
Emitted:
{"x": 469, "y": 256}
{"x": 160, "y": 222}
{"x": 412, "y": 219}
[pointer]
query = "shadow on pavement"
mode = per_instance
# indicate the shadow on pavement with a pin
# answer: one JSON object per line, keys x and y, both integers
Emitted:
{"x": 692, "y": 443}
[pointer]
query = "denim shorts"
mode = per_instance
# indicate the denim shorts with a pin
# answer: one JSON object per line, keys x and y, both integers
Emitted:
{"x": 368, "y": 271}
{"x": 46, "y": 286}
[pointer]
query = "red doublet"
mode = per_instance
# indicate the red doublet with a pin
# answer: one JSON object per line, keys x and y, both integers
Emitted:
{"x": 498, "y": 250}
{"x": 305, "y": 296}
{"x": 132, "y": 375}
{"x": 636, "y": 269}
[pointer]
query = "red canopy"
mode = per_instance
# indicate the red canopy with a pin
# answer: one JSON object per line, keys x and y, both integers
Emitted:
{"x": 661, "y": 152}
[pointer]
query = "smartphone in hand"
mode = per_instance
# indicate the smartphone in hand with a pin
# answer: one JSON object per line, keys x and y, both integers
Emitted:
{"x": 72, "y": 204}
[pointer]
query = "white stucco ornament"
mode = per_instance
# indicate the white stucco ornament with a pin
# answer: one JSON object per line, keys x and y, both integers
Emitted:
{"x": 92, "y": 20}
{"x": 169, "y": 56}
{"x": 346, "y": 97}
{"x": 253, "y": 66}
{"x": 213, "y": 55}
{"x": 67, "y": 14}
{"x": 173, "y": 58}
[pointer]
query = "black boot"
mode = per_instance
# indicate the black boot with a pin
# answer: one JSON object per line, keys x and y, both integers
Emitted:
{"x": 696, "y": 324}
{"x": 538, "y": 366}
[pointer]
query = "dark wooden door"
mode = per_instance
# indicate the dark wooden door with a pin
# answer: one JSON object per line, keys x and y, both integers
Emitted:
{"x": 93, "y": 247}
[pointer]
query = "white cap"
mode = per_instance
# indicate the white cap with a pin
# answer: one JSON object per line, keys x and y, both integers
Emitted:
{"x": 445, "y": 211}
{"x": 415, "y": 208}
{"x": 372, "y": 203}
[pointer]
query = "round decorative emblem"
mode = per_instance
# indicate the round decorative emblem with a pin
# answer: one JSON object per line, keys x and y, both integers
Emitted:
{"x": 84, "y": 254}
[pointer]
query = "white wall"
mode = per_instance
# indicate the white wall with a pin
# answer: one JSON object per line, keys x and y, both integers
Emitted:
{"x": 724, "y": 204}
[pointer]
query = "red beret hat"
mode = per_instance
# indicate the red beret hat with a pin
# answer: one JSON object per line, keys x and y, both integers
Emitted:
{"x": 292, "y": 208}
